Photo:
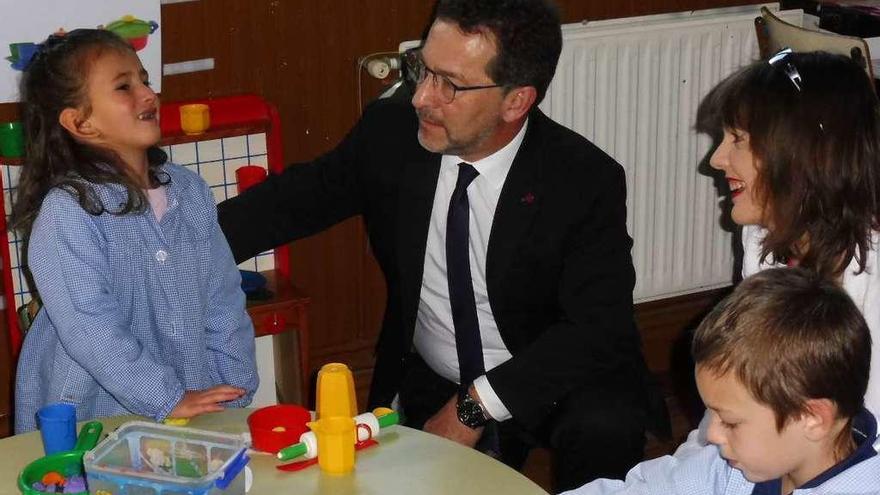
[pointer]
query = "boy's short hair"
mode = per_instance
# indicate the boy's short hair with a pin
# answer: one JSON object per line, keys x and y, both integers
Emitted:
{"x": 789, "y": 336}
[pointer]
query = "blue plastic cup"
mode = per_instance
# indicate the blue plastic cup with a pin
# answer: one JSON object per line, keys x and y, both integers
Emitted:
{"x": 57, "y": 427}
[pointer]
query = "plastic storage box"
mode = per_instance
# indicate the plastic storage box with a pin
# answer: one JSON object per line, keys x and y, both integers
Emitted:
{"x": 142, "y": 458}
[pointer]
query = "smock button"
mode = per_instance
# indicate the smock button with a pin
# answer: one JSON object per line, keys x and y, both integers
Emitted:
{"x": 161, "y": 256}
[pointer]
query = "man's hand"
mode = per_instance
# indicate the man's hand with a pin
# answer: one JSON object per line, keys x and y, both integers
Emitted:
{"x": 446, "y": 424}
{"x": 195, "y": 402}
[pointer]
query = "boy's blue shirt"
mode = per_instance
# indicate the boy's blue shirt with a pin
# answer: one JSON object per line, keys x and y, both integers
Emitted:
{"x": 135, "y": 310}
{"x": 707, "y": 473}
{"x": 864, "y": 431}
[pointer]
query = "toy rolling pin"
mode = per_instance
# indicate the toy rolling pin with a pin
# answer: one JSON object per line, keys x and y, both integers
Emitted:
{"x": 368, "y": 426}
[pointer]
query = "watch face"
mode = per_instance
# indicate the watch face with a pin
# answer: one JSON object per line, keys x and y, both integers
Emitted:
{"x": 470, "y": 413}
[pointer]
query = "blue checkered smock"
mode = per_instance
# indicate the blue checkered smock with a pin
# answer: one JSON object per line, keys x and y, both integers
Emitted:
{"x": 135, "y": 311}
{"x": 705, "y": 472}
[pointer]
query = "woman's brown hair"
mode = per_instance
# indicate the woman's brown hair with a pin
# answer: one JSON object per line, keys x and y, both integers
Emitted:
{"x": 814, "y": 130}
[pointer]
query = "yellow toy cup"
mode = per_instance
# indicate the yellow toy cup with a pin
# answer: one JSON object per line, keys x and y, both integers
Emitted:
{"x": 195, "y": 118}
{"x": 335, "y": 396}
{"x": 336, "y": 439}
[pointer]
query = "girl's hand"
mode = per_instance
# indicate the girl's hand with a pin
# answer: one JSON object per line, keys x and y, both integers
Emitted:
{"x": 195, "y": 402}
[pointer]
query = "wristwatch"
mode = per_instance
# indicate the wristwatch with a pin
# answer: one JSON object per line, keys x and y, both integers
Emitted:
{"x": 470, "y": 412}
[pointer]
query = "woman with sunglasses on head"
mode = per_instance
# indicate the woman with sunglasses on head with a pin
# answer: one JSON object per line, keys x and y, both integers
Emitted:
{"x": 800, "y": 150}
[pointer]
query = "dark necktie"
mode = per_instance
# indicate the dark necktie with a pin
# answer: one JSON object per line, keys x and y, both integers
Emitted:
{"x": 461, "y": 287}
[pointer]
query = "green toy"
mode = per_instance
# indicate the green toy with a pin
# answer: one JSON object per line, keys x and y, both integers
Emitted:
{"x": 67, "y": 464}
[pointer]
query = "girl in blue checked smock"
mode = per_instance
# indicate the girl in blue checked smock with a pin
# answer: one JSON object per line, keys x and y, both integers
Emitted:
{"x": 142, "y": 306}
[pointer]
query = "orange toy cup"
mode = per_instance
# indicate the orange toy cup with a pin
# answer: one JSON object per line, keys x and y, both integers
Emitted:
{"x": 275, "y": 427}
{"x": 195, "y": 118}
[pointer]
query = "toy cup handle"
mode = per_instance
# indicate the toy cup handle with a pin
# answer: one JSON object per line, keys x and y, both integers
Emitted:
{"x": 88, "y": 436}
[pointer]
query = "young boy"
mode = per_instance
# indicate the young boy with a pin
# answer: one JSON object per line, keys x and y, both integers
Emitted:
{"x": 782, "y": 366}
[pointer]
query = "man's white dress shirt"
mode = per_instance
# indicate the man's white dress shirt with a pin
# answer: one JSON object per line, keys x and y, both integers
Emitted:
{"x": 434, "y": 337}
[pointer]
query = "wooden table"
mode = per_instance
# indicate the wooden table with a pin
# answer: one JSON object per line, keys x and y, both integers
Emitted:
{"x": 285, "y": 316}
{"x": 406, "y": 461}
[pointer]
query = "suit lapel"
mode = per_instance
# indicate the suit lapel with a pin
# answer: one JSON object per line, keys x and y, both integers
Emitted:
{"x": 415, "y": 202}
{"x": 519, "y": 202}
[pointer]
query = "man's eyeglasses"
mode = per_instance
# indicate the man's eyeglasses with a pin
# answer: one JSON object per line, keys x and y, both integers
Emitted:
{"x": 417, "y": 73}
{"x": 779, "y": 60}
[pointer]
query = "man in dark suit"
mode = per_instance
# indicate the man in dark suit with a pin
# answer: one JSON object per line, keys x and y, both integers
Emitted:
{"x": 502, "y": 238}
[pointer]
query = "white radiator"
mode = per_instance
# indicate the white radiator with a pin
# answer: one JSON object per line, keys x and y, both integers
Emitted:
{"x": 632, "y": 86}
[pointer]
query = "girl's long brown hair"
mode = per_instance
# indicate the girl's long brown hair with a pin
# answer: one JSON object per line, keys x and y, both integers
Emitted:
{"x": 54, "y": 80}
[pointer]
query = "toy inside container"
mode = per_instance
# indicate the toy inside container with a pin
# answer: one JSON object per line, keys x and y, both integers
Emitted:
{"x": 154, "y": 459}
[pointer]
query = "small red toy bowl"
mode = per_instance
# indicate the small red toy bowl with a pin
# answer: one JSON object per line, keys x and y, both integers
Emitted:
{"x": 275, "y": 427}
